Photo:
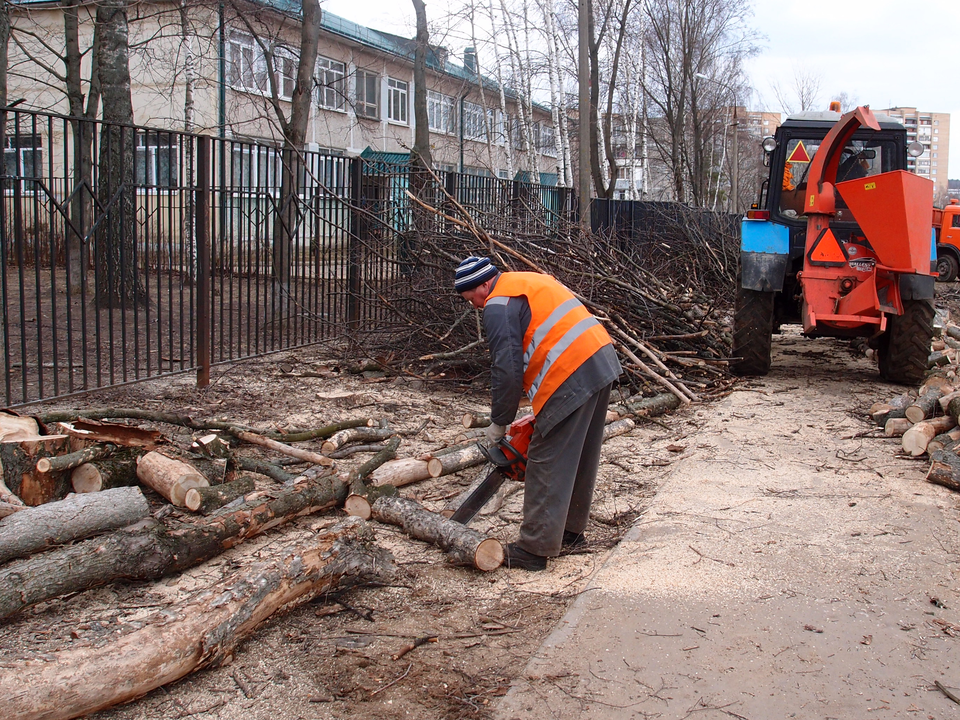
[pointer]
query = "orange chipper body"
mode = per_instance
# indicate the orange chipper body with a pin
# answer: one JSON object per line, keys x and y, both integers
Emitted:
{"x": 850, "y": 287}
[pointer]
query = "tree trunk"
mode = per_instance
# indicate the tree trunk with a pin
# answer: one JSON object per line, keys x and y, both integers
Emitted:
{"x": 19, "y": 463}
{"x": 201, "y": 632}
{"x": 75, "y": 518}
{"x": 118, "y": 282}
{"x": 207, "y": 499}
{"x": 169, "y": 477}
{"x": 462, "y": 545}
{"x": 149, "y": 551}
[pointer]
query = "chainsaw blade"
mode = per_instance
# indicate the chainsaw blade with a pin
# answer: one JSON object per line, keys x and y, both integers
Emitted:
{"x": 479, "y": 497}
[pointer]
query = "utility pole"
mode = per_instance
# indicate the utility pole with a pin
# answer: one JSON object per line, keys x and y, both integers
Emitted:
{"x": 583, "y": 73}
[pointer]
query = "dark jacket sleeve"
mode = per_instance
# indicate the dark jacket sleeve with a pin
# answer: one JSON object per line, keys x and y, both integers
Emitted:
{"x": 505, "y": 322}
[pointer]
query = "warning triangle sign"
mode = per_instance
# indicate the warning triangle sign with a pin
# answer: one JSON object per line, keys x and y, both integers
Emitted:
{"x": 799, "y": 154}
{"x": 827, "y": 250}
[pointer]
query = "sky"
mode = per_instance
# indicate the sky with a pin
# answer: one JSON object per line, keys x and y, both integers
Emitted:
{"x": 882, "y": 53}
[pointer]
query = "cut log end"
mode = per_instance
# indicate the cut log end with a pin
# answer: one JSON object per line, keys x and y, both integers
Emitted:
{"x": 357, "y": 506}
{"x": 489, "y": 555}
{"x": 85, "y": 479}
{"x": 435, "y": 467}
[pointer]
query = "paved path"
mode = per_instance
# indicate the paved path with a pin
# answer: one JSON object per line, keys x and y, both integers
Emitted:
{"x": 785, "y": 569}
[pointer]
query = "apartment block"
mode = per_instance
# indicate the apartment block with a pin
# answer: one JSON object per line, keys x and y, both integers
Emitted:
{"x": 932, "y": 130}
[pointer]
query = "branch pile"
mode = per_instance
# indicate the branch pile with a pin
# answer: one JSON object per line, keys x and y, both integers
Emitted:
{"x": 665, "y": 295}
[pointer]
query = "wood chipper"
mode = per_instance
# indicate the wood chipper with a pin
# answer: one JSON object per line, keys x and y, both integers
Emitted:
{"x": 841, "y": 242}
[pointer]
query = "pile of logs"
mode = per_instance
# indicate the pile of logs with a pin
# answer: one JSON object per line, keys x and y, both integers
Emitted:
{"x": 142, "y": 508}
{"x": 927, "y": 420}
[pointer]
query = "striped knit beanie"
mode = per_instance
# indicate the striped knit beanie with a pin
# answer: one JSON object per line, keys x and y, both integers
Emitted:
{"x": 472, "y": 272}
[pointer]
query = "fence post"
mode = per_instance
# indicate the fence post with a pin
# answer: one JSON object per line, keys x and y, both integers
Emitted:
{"x": 202, "y": 235}
{"x": 357, "y": 226}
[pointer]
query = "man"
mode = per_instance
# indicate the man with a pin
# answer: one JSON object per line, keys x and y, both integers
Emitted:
{"x": 545, "y": 343}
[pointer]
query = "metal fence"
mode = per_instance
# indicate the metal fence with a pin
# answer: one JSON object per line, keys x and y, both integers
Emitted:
{"x": 129, "y": 253}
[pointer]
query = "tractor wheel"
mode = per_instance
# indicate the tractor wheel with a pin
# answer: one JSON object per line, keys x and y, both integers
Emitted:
{"x": 947, "y": 267}
{"x": 905, "y": 346}
{"x": 752, "y": 332}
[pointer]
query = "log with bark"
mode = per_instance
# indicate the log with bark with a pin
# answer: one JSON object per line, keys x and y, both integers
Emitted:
{"x": 299, "y": 453}
{"x": 406, "y": 471}
{"x": 200, "y": 632}
{"x": 915, "y": 440}
{"x": 7, "y": 509}
{"x": 151, "y": 550}
{"x": 18, "y": 459}
{"x": 212, "y": 445}
{"x": 73, "y": 518}
{"x": 17, "y": 427}
{"x": 944, "y": 469}
{"x": 924, "y": 406}
{"x": 352, "y": 435}
{"x": 944, "y": 441}
{"x": 205, "y": 500}
{"x": 893, "y": 408}
{"x": 69, "y": 461}
{"x": 118, "y": 470}
{"x": 262, "y": 467}
{"x": 169, "y": 476}
{"x": 462, "y": 545}
{"x": 6, "y": 495}
{"x": 896, "y": 426}
{"x": 647, "y": 406}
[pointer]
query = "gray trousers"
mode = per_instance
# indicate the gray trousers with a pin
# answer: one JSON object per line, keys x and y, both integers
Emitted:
{"x": 560, "y": 477}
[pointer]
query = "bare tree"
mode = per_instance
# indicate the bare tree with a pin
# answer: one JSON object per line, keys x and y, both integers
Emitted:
{"x": 801, "y": 94}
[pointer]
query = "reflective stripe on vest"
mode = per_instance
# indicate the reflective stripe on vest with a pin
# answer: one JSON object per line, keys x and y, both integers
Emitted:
{"x": 561, "y": 336}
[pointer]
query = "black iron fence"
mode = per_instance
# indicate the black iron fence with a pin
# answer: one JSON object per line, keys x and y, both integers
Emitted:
{"x": 129, "y": 252}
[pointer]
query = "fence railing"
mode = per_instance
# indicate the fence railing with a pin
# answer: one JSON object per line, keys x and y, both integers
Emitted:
{"x": 129, "y": 252}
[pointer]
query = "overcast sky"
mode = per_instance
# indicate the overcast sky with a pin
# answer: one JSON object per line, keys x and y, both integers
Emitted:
{"x": 882, "y": 53}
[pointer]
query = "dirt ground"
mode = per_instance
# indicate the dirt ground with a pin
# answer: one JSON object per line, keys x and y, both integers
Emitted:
{"x": 332, "y": 658}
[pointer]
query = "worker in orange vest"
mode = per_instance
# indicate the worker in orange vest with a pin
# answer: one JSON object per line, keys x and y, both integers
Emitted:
{"x": 544, "y": 343}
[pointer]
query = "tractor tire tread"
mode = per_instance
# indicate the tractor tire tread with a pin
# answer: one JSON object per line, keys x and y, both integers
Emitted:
{"x": 905, "y": 346}
{"x": 752, "y": 332}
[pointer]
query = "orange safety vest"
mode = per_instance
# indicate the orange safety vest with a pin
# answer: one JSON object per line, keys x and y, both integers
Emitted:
{"x": 562, "y": 334}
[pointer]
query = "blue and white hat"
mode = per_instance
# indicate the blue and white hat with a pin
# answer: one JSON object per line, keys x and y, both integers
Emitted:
{"x": 472, "y": 272}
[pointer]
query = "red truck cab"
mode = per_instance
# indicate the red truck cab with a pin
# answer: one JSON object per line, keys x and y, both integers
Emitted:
{"x": 946, "y": 225}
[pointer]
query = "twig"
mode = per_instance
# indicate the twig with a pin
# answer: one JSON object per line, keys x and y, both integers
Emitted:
{"x": 393, "y": 682}
{"x": 422, "y": 640}
{"x": 945, "y": 691}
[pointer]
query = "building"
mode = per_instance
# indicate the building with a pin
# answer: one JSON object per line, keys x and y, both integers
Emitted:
{"x": 187, "y": 74}
{"x": 932, "y": 130}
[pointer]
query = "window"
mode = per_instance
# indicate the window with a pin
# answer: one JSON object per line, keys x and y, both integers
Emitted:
{"x": 397, "y": 100}
{"x": 474, "y": 127}
{"x": 254, "y": 167}
{"x": 157, "y": 160}
{"x": 368, "y": 94}
{"x": 516, "y": 135}
{"x": 548, "y": 141}
{"x": 23, "y": 158}
{"x": 247, "y": 67}
{"x": 440, "y": 112}
{"x": 330, "y": 91}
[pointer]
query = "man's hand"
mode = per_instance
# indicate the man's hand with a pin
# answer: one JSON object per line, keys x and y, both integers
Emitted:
{"x": 495, "y": 433}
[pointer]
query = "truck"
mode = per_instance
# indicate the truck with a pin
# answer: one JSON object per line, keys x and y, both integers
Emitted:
{"x": 839, "y": 241}
{"x": 946, "y": 227}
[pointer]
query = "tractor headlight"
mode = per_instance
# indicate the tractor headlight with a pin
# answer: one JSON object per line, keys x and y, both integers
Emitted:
{"x": 915, "y": 149}
{"x": 769, "y": 144}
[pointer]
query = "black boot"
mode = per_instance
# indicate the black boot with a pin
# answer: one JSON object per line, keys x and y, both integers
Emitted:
{"x": 572, "y": 540}
{"x": 515, "y": 556}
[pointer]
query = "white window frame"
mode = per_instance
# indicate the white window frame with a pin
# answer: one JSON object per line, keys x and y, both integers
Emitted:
{"x": 474, "y": 122}
{"x": 331, "y": 78}
{"x": 398, "y": 101}
{"x": 247, "y": 67}
{"x": 267, "y": 177}
{"x": 441, "y": 113}
{"x": 364, "y": 82}
{"x": 152, "y": 148}
{"x": 18, "y": 147}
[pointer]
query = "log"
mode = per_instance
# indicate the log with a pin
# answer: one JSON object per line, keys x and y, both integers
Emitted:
{"x": 881, "y": 412}
{"x": 205, "y": 500}
{"x": 938, "y": 359}
{"x": 915, "y": 440}
{"x": 16, "y": 427}
{"x": 462, "y": 545}
{"x": 952, "y": 331}
{"x": 73, "y": 518}
{"x": 73, "y": 460}
{"x": 944, "y": 401}
{"x": 279, "y": 447}
{"x": 118, "y": 470}
{"x": 262, "y": 467}
{"x": 896, "y": 427}
{"x": 357, "y": 434}
{"x": 945, "y": 440}
{"x": 6, "y": 496}
{"x": 150, "y": 550}
{"x": 647, "y": 406}
{"x": 168, "y": 476}
{"x": 405, "y": 471}
{"x": 475, "y": 420}
{"x": 935, "y": 382}
{"x": 212, "y": 445}
{"x": 19, "y": 462}
{"x": 924, "y": 406}
{"x": 953, "y": 408}
{"x": 618, "y": 427}
{"x": 944, "y": 469}
{"x": 200, "y": 632}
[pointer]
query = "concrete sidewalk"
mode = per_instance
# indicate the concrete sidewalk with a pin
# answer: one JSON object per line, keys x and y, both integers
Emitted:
{"x": 784, "y": 570}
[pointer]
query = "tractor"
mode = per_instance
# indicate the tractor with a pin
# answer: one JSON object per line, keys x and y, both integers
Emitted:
{"x": 839, "y": 241}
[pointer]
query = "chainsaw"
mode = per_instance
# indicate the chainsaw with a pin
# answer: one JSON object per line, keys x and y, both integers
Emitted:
{"x": 509, "y": 458}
